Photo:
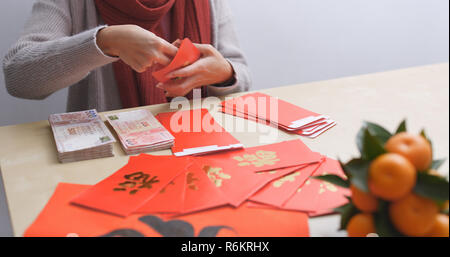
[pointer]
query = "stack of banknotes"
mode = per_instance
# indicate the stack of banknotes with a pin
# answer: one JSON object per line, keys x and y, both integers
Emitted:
{"x": 139, "y": 131}
{"x": 81, "y": 136}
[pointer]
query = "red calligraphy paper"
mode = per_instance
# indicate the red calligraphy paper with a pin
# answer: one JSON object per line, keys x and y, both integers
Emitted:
{"x": 59, "y": 218}
{"x": 196, "y": 132}
{"x": 133, "y": 185}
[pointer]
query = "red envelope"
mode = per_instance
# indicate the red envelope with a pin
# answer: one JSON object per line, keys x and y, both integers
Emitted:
{"x": 318, "y": 130}
{"x": 168, "y": 200}
{"x": 256, "y": 205}
{"x": 272, "y": 109}
{"x": 311, "y": 130}
{"x": 200, "y": 192}
{"x": 59, "y": 218}
{"x": 239, "y": 182}
{"x": 186, "y": 55}
{"x": 274, "y": 156}
{"x": 318, "y": 196}
{"x": 278, "y": 191}
{"x": 196, "y": 132}
{"x": 133, "y": 185}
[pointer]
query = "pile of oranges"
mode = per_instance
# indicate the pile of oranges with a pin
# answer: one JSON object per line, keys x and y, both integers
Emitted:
{"x": 392, "y": 177}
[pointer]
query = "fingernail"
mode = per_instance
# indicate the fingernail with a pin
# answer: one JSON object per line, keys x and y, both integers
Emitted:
{"x": 159, "y": 85}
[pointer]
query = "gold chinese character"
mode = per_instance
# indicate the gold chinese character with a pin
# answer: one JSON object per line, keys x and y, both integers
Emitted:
{"x": 324, "y": 186}
{"x": 288, "y": 178}
{"x": 216, "y": 175}
{"x": 259, "y": 159}
{"x": 266, "y": 172}
{"x": 190, "y": 180}
{"x": 140, "y": 179}
{"x": 165, "y": 188}
{"x": 307, "y": 183}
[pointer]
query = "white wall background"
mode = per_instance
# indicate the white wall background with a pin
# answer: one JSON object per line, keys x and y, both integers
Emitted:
{"x": 291, "y": 41}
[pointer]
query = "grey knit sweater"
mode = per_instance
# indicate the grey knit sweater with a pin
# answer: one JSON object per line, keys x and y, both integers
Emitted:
{"x": 58, "y": 49}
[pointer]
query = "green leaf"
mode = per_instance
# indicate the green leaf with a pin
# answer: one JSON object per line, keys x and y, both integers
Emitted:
{"x": 436, "y": 164}
{"x": 334, "y": 179}
{"x": 360, "y": 139}
{"x": 379, "y": 132}
{"x": 401, "y": 128}
{"x": 347, "y": 174}
{"x": 383, "y": 223}
{"x": 432, "y": 187}
{"x": 423, "y": 134}
{"x": 444, "y": 212}
{"x": 359, "y": 173}
{"x": 347, "y": 211}
{"x": 371, "y": 146}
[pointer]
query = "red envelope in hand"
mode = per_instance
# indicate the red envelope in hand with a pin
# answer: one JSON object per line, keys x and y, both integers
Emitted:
{"x": 196, "y": 132}
{"x": 168, "y": 200}
{"x": 318, "y": 196}
{"x": 200, "y": 192}
{"x": 133, "y": 185}
{"x": 278, "y": 191}
{"x": 186, "y": 55}
{"x": 59, "y": 218}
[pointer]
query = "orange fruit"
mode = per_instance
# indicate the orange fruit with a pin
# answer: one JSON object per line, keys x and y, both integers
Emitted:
{"x": 361, "y": 225}
{"x": 413, "y": 215}
{"x": 415, "y": 148}
{"x": 440, "y": 227}
{"x": 391, "y": 176}
{"x": 365, "y": 202}
{"x": 445, "y": 206}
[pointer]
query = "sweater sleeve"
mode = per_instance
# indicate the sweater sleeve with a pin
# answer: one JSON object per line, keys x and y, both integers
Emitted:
{"x": 228, "y": 46}
{"x": 47, "y": 57}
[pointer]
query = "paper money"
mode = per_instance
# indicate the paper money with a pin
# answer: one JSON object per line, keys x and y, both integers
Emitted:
{"x": 81, "y": 136}
{"x": 139, "y": 131}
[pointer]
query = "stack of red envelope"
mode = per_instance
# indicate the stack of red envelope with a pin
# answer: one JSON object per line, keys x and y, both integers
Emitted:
{"x": 272, "y": 111}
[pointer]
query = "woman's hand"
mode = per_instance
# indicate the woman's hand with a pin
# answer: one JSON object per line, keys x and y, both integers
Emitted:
{"x": 211, "y": 68}
{"x": 137, "y": 47}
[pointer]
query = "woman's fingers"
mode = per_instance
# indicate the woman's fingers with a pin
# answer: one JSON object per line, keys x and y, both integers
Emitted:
{"x": 161, "y": 59}
{"x": 205, "y": 49}
{"x": 187, "y": 71}
{"x": 167, "y": 48}
{"x": 177, "y": 43}
{"x": 179, "y": 87}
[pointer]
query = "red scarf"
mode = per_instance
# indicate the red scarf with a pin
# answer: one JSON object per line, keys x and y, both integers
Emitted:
{"x": 188, "y": 18}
